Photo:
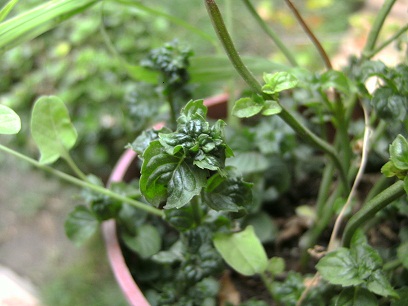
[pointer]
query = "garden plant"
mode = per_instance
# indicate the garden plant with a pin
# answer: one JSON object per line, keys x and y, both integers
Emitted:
{"x": 317, "y": 149}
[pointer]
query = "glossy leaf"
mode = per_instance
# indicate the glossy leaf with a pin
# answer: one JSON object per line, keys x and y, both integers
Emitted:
{"x": 278, "y": 82}
{"x": 399, "y": 152}
{"x": 193, "y": 109}
{"x": 169, "y": 179}
{"x": 10, "y": 122}
{"x": 80, "y": 225}
{"x": 339, "y": 268}
{"x": 52, "y": 129}
{"x": 356, "y": 297}
{"x": 146, "y": 242}
{"x": 242, "y": 251}
{"x": 246, "y": 107}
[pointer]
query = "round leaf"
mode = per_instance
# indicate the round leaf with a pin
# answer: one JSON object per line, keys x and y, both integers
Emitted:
{"x": 246, "y": 107}
{"x": 242, "y": 251}
{"x": 10, "y": 122}
{"x": 80, "y": 225}
{"x": 146, "y": 242}
{"x": 52, "y": 129}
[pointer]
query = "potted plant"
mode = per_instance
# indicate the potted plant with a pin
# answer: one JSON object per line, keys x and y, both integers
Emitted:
{"x": 200, "y": 225}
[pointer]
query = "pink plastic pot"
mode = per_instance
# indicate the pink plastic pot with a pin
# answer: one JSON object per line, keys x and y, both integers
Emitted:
{"x": 217, "y": 108}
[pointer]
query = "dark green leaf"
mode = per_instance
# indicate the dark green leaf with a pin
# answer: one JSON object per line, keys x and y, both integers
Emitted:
{"x": 168, "y": 179}
{"x": 182, "y": 219}
{"x": 10, "y": 122}
{"x": 80, "y": 225}
{"x": 356, "y": 297}
{"x": 339, "y": 268}
{"x": 278, "y": 82}
{"x": 174, "y": 254}
{"x": 242, "y": 251}
{"x": 379, "y": 284}
{"x": 52, "y": 129}
{"x": 403, "y": 300}
{"x": 143, "y": 140}
{"x": 146, "y": 242}
{"x": 388, "y": 104}
{"x": 399, "y": 152}
{"x": 246, "y": 107}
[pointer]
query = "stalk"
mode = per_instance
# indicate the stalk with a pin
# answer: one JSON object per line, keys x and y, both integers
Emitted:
{"x": 370, "y": 54}
{"x": 286, "y": 52}
{"x": 251, "y": 81}
{"x": 85, "y": 184}
{"x": 369, "y": 210}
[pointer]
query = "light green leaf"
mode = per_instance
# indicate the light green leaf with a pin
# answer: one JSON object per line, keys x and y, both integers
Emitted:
{"x": 146, "y": 242}
{"x": 379, "y": 284}
{"x": 339, "y": 268}
{"x": 248, "y": 162}
{"x": 278, "y": 82}
{"x": 7, "y": 9}
{"x": 276, "y": 265}
{"x": 80, "y": 225}
{"x": 246, "y": 107}
{"x": 242, "y": 251}
{"x": 271, "y": 108}
{"x": 52, "y": 129}
{"x": 10, "y": 122}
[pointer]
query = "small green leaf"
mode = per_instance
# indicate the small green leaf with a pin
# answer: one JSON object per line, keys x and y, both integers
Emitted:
{"x": 10, "y": 122}
{"x": 278, "y": 82}
{"x": 276, "y": 265}
{"x": 356, "y": 297}
{"x": 246, "y": 107}
{"x": 242, "y": 251}
{"x": 80, "y": 225}
{"x": 146, "y": 242}
{"x": 335, "y": 79}
{"x": 339, "y": 268}
{"x": 166, "y": 178}
{"x": 192, "y": 110}
{"x": 399, "y": 152}
{"x": 271, "y": 108}
{"x": 52, "y": 129}
{"x": 379, "y": 284}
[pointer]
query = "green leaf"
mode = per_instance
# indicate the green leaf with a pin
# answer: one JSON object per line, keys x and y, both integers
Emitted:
{"x": 140, "y": 73}
{"x": 278, "y": 82}
{"x": 403, "y": 300}
{"x": 242, "y": 251}
{"x": 169, "y": 179}
{"x": 52, "y": 129}
{"x": 10, "y": 122}
{"x": 339, "y": 268}
{"x": 271, "y": 108}
{"x": 356, "y": 297}
{"x": 146, "y": 242}
{"x": 276, "y": 265}
{"x": 389, "y": 105}
{"x": 379, "y": 284}
{"x": 399, "y": 152}
{"x": 174, "y": 254}
{"x": 249, "y": 162}
{"x": 7, "y": 9}
{"x": 192, "y": 110}
{"x": 80, "y": 225}
{"x": 335, "y": 79}
{"x": 227, "y": 193}
{"x": 264, "y": 227}
{"x": 246, "y": 107}
{"x": 182, "y": 219}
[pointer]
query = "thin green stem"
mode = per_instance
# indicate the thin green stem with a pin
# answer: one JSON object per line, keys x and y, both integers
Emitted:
{"x": 369, "y": 209}
{"x": 74, "y": 167}
{"x": 376, "y": 27}
{"x": 276, "y": 39}
{"x": 324, "y": 189}
{"x": 370, "y": 54}
{"x": 251, "y": 81}
{"x": 309, "y": 33}
{"x": 84, "y": 184}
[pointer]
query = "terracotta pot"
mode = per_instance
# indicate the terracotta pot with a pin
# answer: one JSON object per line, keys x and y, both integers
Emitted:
{"x": 123, "y": 171}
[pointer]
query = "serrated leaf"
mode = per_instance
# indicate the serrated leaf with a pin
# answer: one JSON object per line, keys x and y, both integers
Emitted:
{"x": 356, "y": 297}
{"x": 271, "y": 108}
{"x": 242, "y": 251}
{"x": 379, "y": 284}
{"x": 339, "y": 268}
{"x": 10, "y": 122}
{"x": 169, "y": 179}
{"x": 246, "y": 107}
{"x": 146, "y": 242}
{"x": 399, "y": 152}
{"x": 52, "y": 129}
{"x": 249, "y": 162}
{"x": 80, "y": 225}
{"x": 278, "y": 82}
{"x": 193, "y": 109}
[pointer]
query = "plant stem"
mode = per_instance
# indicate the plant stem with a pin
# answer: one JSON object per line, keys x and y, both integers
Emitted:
{"x": 376, "y": 27}
{"x": 369, "y": 209}
{"x": 370, "y": 54}
{"x": 251, "y": 81}
{"x": 286, "y": 52}
{"x": 84, "y": 184}
{"x": 312, "y": 37}
{"x": 74, "y": 167}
